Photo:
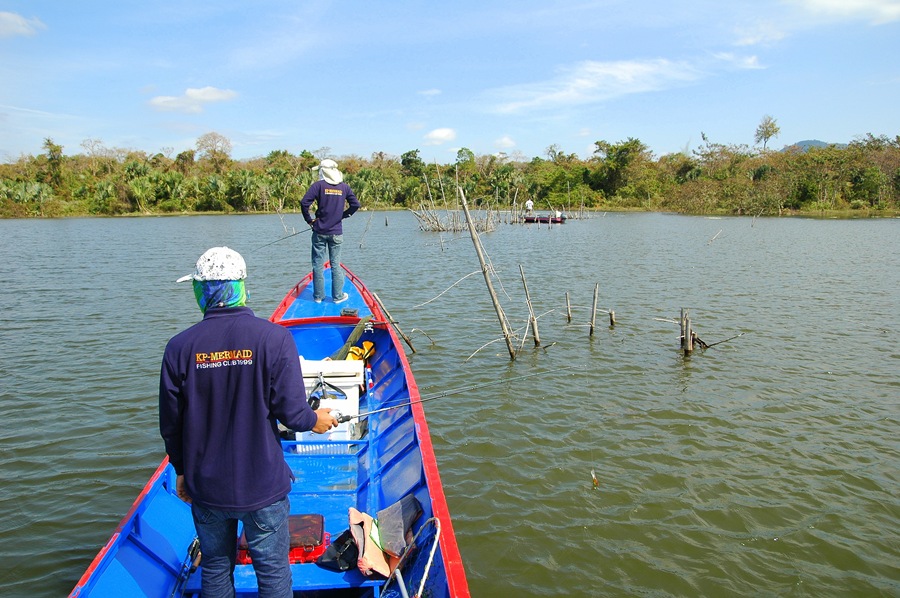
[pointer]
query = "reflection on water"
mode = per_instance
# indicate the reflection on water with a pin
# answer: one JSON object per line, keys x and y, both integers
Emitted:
{"x": 763, "y": 466}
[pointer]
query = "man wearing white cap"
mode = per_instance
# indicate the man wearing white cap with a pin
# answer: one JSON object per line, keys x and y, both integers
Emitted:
{"x": 335, "y": 201}
{"x": 224, "y": 384}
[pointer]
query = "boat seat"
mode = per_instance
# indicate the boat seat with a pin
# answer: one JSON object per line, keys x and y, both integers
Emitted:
{"x": 343, "y": 374}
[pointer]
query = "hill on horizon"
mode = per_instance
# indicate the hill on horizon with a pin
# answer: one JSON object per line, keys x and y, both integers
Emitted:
{"x": 808, "y": 143}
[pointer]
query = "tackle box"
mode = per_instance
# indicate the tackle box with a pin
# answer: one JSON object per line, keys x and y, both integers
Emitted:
{"x": 308, "y": 540}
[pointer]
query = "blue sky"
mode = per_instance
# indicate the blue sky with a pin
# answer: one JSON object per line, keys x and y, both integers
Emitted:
{"x": 515, "y": 77}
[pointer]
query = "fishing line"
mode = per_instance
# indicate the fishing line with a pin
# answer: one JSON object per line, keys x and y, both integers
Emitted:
{"x": 345, "y": 418}
{"x": 447, "y": 289}
{"x": 282, "y": 239}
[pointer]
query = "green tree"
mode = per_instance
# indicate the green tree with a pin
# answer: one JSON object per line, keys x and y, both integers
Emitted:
{"x": 54, "y": 163}
{"x": 213, "y": 195}
{"x": 184, "y": 162}
{"x": 108, "y": 198}
{"x": 242, "y": 191}
{"x": 376, "y": 185}
{"x": 615, "y": 162}
{"x": 142, "y": 193}
{"x": 767, "y": 129}
{"x": 465, "y": 158}
{"x": 412, "y": 164}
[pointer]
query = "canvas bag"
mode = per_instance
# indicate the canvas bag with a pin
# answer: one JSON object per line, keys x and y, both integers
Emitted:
{"x": 371, "y": 559}
{"x": 381, "y": 542}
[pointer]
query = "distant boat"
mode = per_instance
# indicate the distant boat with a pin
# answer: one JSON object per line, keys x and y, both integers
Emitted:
{"x": 545, "y": 219}
{"x": 368, "y": 463}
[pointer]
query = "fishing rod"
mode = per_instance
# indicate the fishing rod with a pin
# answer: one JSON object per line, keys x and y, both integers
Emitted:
{"x": 345, "y": 418}
{"x": 190, "y": 564}
{"x": 283, "y": 238}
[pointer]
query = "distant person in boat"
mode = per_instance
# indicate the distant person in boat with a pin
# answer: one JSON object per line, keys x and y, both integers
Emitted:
{"x": 334, "y": 201}
{"x": 223, "y": 384}
{"x": 529, "y": 207}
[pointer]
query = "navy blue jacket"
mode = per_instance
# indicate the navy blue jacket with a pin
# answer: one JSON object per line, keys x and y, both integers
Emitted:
{"x": 223, "y": 384}
{"x": 330, "y": 208}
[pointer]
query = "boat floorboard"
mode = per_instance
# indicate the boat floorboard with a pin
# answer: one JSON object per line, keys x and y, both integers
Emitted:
{"x": 326, "y": 477}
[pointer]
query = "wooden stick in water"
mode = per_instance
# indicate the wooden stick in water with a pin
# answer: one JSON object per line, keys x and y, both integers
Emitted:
{"x": 534, "y": 326}
{"x": 393, "y": 322}
{"x": 487, "y": 278}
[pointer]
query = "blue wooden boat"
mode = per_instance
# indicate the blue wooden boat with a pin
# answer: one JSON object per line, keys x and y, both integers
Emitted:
{"x": 368, "y": 463}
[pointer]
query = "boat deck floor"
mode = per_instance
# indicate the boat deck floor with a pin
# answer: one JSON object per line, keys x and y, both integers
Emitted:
{"x": 325, "y": 483}
{"x": 305, "y": 307}
{"x": 326, "y": 476}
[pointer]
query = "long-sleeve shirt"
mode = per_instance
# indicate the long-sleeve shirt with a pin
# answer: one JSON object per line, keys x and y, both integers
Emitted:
{"x": 330, "y": 206}
{"x": 223, "y": 384}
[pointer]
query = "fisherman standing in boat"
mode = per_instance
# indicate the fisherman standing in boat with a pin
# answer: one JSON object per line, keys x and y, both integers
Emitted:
{"x": 335, "y": 201}
{"x": 223, "y": 384}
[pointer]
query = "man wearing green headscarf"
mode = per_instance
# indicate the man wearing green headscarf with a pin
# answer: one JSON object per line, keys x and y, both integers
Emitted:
{"x": 225, "y": 382}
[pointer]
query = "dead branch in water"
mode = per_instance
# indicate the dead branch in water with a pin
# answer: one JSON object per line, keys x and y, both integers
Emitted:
{"x": 425, "y": 333}
{"x": 479, "y": 250}
{"x": 431, "y": 221}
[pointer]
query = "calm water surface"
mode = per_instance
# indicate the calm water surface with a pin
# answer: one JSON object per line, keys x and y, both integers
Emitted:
{"x": 768, "y": 465}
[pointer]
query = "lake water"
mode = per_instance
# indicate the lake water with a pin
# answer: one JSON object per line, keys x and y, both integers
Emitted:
{"x": 767, "y": 465}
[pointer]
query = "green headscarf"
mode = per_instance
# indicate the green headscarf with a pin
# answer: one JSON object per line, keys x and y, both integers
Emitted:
{"x": 219, "y": 293}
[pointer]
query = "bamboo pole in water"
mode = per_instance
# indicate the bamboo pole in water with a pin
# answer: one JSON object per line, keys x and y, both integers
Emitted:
{"x": 568, "y": 308}
{"x": 534, "y": 326}
{"x": 687, "y": 335}
{"x": 689, "y": 339}
{"x": 515, "y": 206}
{"x": 594, "y": 308}
{"x": 393, "y": 322}
{"x": 487, "y": 278}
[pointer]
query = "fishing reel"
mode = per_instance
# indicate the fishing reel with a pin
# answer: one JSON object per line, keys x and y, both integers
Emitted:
{"x": 340, "y": 417}
{"x": 321, "y": 391}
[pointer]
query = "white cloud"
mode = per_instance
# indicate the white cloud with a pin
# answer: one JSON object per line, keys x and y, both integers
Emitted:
{"x": 193, "y": 100}
{"x": 763, "y": 33}
{"x": 430, "y": 92}
{"x": 504, "y": 142}
{"x": 439, "y": 136}
{"x": 878, "y": 11}
{"x": 12, "y": 25}
{"x": 592, "y": 81}
{"x": 741, "y": 62}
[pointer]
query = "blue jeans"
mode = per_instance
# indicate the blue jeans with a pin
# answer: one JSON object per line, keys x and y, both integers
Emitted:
{"x": 327, "y": 246}
{"x": 269, "y": 540}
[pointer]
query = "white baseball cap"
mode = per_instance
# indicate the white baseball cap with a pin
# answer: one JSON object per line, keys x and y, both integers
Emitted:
{"x": 218, "y": 263}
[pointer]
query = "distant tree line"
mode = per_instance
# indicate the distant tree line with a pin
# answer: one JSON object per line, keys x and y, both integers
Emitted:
{"x": 863, "y": 176}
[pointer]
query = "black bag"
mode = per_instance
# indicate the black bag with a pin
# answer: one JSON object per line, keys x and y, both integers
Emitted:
{"x": 341, "y": 555}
